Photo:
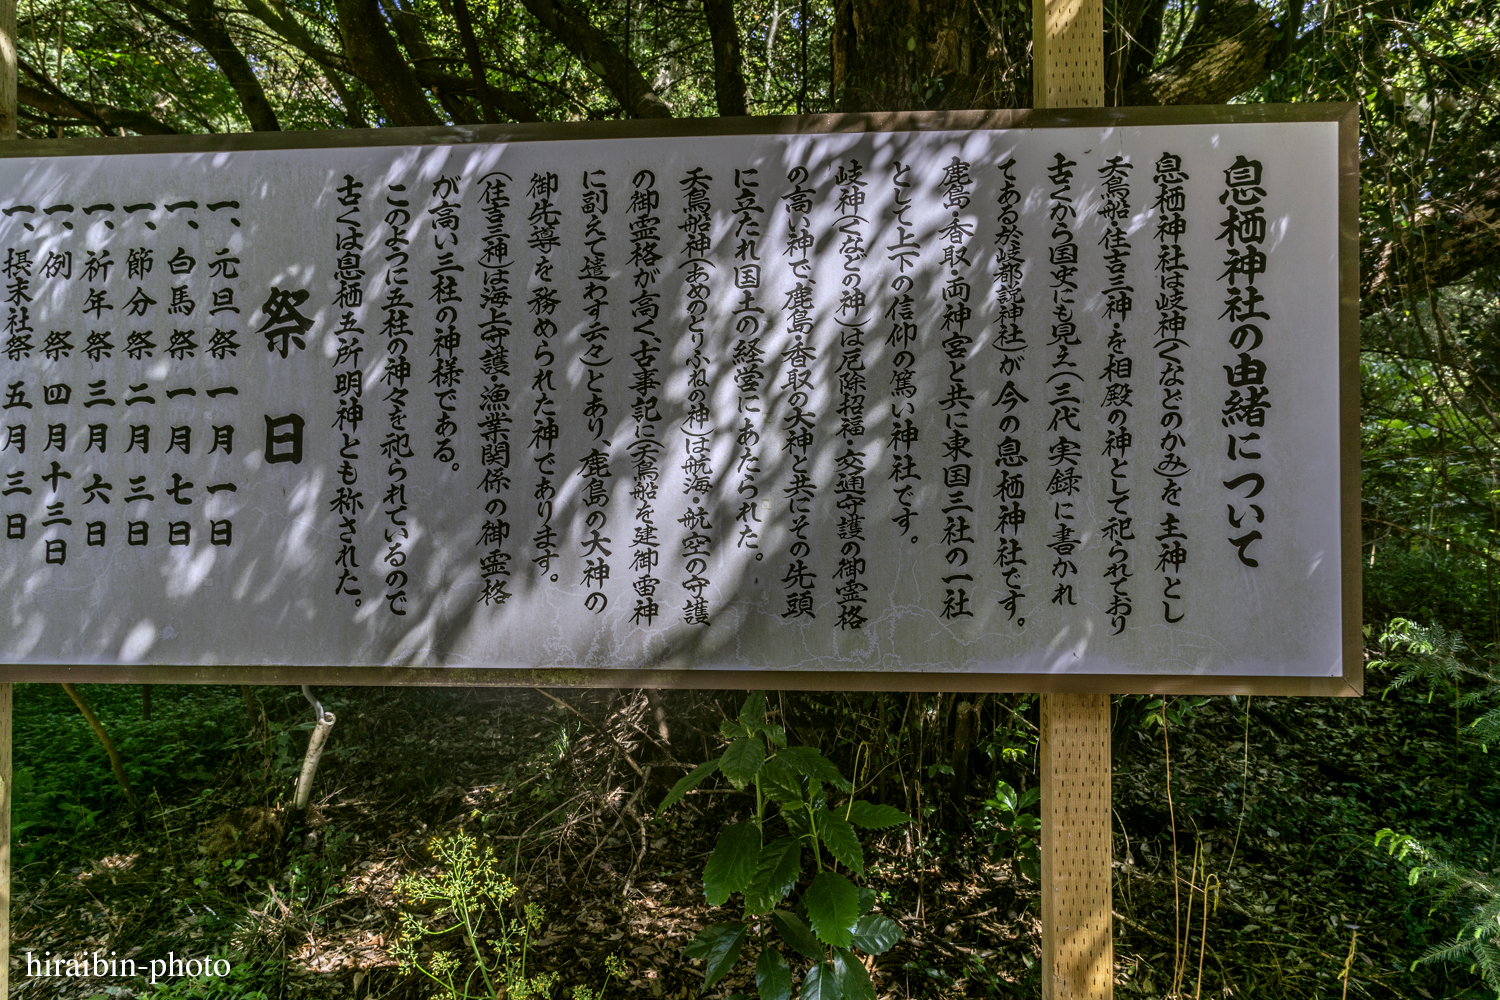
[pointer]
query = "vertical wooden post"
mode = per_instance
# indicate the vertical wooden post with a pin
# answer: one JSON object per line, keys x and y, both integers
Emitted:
{"x": 7, "y": 131}
{"x": 1067, "y": 54}
{"x": 1078, "y": 955}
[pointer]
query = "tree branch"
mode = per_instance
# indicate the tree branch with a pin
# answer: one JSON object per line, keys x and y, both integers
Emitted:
{"x": 354, "y": 116}
{"x": 333, "y": 65}
{"x": 99, "y": 114}
{"x": 1438, "y": 249}
{"x": 517, "y": 107}
{"x": 1144, "y": 45}
{"x": 594, "y": 49}
{"x": 408, "y": 29}
{"x": 507, "y": 101}
{"x": 115, "y": 763}
{"x": 1228, "y": 50}
{"x": 207, "y": 27}
{"x": 476, "y": 62}
{"x": 291, "y": 31}
{"x": 171, "y": 20}
{"x": 1436, "y": 538}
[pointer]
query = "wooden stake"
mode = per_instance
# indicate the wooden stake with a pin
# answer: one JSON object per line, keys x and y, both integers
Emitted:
{"x": 1077, "y": 932}
{"x": 1078, "y": 955}
{"x": 1067, "y": 53}
{"x": 7, "y": 131}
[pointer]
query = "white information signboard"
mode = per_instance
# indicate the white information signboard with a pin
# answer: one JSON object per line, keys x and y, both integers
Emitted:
{"x": 1022, "y": 406}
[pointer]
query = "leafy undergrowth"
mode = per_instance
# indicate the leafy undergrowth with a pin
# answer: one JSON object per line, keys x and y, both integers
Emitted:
{"x": 1286, "y": 832}
{"x": 1278, "y": 799}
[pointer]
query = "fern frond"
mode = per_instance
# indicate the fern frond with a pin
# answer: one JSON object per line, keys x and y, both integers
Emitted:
{"x": 1487, "y": 956}
{"x": 1460, "y": 950}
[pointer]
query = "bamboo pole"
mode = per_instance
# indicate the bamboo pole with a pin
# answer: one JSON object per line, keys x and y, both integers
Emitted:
{"x": 1077, "y": 877}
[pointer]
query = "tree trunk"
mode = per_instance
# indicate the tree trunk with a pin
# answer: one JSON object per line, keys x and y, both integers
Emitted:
{"x": 208, "y": 28}
{"x": 658, "y": 706}
{"x": 604, "y": 59}
{"x": 1231, "y": 47}
{"x": 1131, "y": 38}
{"x": 963, "y": 739}
{"x": 376, "y": 60}
{"x": 413, "y": 37}
{"x": 1437, "y": 249}
{"x": 476, "y": 61}
{"x": 729, "y": 74}
{"x": 251, "y": 714}
{"x": 899, "y": 55}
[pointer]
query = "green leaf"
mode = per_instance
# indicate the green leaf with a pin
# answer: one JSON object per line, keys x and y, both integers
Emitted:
{"x": 687, "y": 783}
{"x": 820, "y": 983}
{"x": 876, "y": 935}
{"x": 832, "y": 908}
{"x": 754, "y": 709}
{"x": 753, "y": 720}
{"x": 867, "y": 899}
{"x": 742, "y": 761}
{"x": 808, "y": 761}
{"x": 1005, "y": 796}
{"x": 873, "y": 817}
{"x": 798, "y": 822}
{"x": 776, "y": 871}
{"x": 1029, "y": 860}
{"x": 853, "y": 978}
{"x": 780, "y": 782}
{"x": 842, "y": 841}
{"x": 732, "y": 729}
{"x": 719, "y": 946}
{"x": 773, "y": 976}
{"x": 732, "y": 864}
{"x": 775, "y": 734}
{"x": 795, "y": 933}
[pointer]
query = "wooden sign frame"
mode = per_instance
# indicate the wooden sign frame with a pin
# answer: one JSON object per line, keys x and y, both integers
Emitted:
{"x": 1351, "y": 683}
{"x": 1078, "y": 952}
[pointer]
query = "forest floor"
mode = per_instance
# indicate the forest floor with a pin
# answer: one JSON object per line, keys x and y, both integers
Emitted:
{"x": 1275, "y": 804}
